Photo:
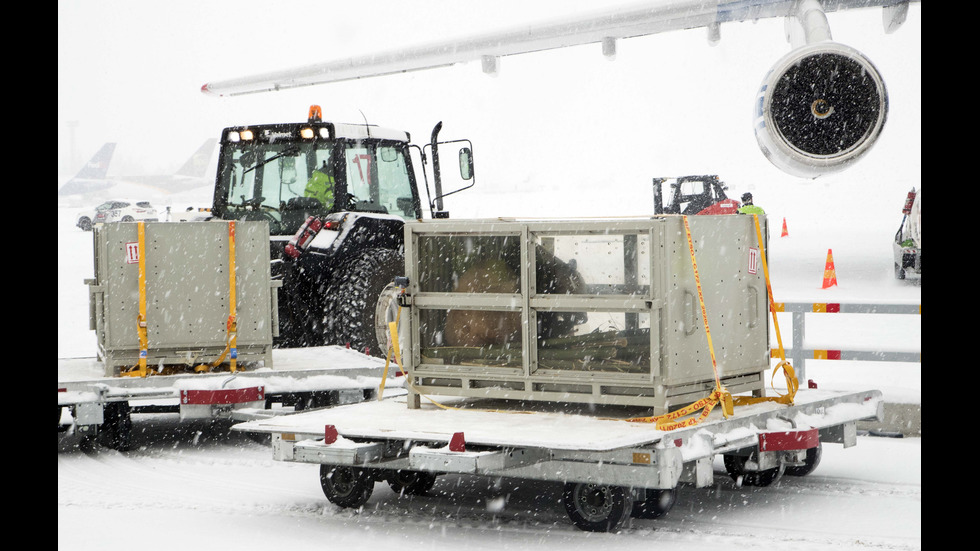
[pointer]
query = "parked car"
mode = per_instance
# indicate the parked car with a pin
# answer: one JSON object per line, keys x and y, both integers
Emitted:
{"x": 117, "y": 210}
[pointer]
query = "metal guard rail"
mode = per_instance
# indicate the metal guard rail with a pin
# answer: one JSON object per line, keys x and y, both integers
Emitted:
{"x": 798, "y": 355}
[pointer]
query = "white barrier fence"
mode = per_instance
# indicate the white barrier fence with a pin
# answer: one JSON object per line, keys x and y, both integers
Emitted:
{"x": 798, "y": 355}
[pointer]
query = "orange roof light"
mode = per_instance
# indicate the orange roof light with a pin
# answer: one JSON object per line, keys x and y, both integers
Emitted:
{"x": 315, "y": 114}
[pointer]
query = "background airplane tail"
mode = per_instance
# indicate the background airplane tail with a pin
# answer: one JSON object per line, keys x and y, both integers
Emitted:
{"x": 197, "y": 165}
{"x": 98, "y": 165}
{"x": 92, "y": 176}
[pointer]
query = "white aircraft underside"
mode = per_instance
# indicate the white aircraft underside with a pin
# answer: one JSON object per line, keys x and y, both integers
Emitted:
{"x": 807, "y": 135}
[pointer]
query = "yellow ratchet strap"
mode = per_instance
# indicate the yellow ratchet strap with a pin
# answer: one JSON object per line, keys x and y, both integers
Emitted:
{"x": 141, "y": 317}
{"x": 720, "y": 394}
{"x": 792, "y": 383}
{"x": 231, "y": 327}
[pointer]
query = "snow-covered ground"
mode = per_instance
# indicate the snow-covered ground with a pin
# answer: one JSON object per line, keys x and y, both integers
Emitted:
{"x": 555, "y": 134}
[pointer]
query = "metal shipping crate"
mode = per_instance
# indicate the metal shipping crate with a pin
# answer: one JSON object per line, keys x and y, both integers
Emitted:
{"x": 187, "y": 293}
{"x": 596, "y": 311}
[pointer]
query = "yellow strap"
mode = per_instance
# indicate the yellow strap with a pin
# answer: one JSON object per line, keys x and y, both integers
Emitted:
{"x": 720, "y": 394}
{"x": 704, "y": 312}
{"x": 141, "y": 317}
{"x": 231, "y": 327}
{"x": 792, "y": 384}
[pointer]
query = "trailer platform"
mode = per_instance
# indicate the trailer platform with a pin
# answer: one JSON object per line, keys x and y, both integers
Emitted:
{"x": 301, "y": 379}
{"x": 611, "y": 467}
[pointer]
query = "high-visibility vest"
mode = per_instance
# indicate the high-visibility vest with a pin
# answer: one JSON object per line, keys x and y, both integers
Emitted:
{"x": 751, "y": 209}
{"x": 320, "y": 187}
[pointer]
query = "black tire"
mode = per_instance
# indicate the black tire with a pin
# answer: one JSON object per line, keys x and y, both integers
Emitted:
{"x": 351, "y": 300}
{"x": 596, "y": 507}
{"x": 85, "y": 224}
{"x": 656, "y": 504}
{"x": 127, "y": 219}
{"x": 116, "y": 430}
{"x": 899, "y": 271}
{"x": 414, "y": 483}
{"x": 812, "y": 460}
{"x": 735, "y": 465}
{"x": 346, "y": 486}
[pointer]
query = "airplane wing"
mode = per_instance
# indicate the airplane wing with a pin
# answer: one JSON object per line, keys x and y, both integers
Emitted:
{"x": 605, "y": 27}
{"x": 819, "y": 109}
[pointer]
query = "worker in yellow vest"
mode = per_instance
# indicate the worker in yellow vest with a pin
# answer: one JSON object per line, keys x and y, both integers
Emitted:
{"x": 747, "y": 206}
{"x": 320, "y": 186}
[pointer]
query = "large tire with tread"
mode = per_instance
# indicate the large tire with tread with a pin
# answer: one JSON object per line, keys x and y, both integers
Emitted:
{"x": 351, "y": 300}
{"x": 414, "y": 483}
{"x": 597, "y": 507}
{"x": 346, "y": 486}
{"x": 656, "y": 504}
{"x": 85, "y": 224}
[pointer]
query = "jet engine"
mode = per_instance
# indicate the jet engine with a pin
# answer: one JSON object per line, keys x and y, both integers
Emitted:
{"x": 820, "y": 109}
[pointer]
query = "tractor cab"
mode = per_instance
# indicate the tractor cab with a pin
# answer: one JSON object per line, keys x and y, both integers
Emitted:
{"x": 284, "y": 173}
{"x": 693, "y": 195}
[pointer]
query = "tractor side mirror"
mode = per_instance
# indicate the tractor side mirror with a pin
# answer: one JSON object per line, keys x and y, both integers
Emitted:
{"x": 466, "y": 163}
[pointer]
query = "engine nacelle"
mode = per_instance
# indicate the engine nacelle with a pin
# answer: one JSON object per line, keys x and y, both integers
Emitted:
{"x": 820, "y": 109}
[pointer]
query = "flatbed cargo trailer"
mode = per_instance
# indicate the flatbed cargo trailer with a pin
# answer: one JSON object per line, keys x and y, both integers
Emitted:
{"x": 611, "y": 467}
{"x": 99, "y": 407}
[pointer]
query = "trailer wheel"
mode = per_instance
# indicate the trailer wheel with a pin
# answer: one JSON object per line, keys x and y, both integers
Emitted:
{"x": 812, "y": 460}
{"x": 116, "y": 431}
{"x": 346, "y": 486}
{"x": 656, "y": 505}
{"x": 351, "y": 301}
{"x": 415, "y": 483}
{"x": 735, "y": 465}
{"x": 596, "y": 507}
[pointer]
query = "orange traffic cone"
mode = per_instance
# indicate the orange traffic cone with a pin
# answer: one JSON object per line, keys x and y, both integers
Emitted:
{"x": 829, "y": 274}
{"x": 785, "y": 231}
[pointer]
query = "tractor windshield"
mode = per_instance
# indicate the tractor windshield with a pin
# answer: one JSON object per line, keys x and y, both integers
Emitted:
{"x": 283, "y": 182}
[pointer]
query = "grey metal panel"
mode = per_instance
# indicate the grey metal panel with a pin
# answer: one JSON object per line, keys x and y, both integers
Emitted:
{"x": 739, "y": 328}
{"x": 187, "y": 292}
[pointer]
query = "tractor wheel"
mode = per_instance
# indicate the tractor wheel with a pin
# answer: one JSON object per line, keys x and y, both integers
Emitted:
{"x": 346, "y": 486}
{"x": 899, "y": 271}
{"x": 351, "y": 301}
{"x": 414, "y": 483}
{"x": 597, "y": 507}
